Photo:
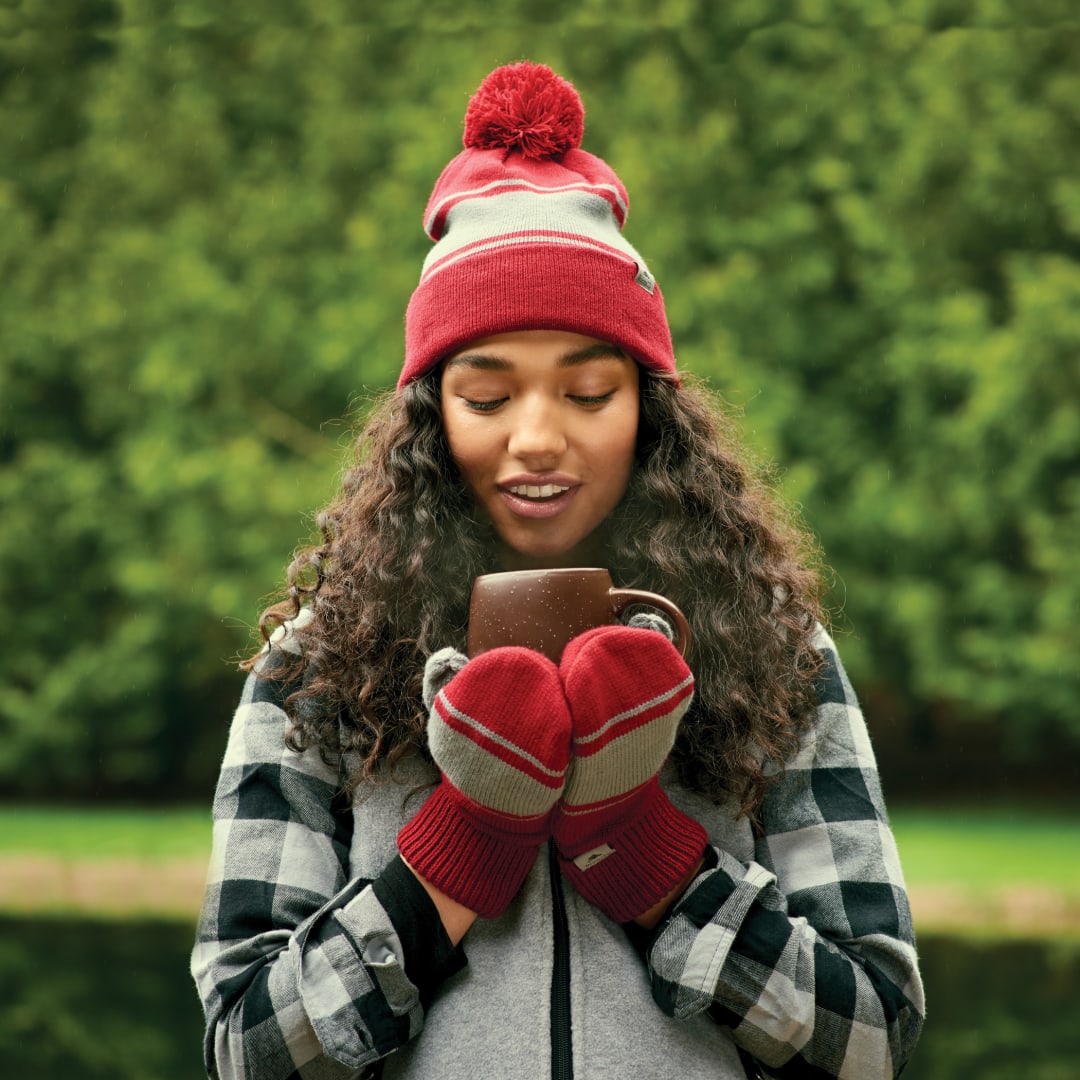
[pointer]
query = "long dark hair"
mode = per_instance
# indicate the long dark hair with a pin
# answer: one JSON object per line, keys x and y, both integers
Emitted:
{"x": 402, "y": 545}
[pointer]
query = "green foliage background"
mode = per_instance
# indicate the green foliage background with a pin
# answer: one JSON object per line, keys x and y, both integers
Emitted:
{"x": 865, "y": 215}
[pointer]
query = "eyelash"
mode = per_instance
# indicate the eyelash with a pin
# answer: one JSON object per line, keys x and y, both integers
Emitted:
{"x": 586, "y": 400}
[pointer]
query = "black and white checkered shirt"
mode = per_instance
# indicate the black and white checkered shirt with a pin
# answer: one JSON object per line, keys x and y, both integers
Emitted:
{"x": 798, "y": 943}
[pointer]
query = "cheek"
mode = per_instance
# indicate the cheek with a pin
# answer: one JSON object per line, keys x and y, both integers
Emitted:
{"x": 470, "y": 448}
{"x": 624, "y": 440}
{"x": 615, "y": 452}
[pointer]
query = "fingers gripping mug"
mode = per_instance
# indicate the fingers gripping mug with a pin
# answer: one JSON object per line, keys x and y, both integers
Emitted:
{"x": 545, "y": 609}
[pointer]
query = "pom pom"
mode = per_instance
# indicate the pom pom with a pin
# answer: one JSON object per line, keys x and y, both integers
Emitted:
{"x": 525, "y": 107}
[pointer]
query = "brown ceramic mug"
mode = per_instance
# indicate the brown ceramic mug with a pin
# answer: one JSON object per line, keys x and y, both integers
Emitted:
{"x": 545, "y": 609}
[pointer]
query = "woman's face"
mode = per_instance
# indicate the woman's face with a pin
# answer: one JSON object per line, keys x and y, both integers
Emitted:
{"x": 542, "y": 426}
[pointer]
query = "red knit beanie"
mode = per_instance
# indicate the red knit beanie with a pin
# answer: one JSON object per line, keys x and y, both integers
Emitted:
{"x": 528, "y": 234}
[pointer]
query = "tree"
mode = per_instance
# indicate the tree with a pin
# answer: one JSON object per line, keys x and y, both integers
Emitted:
{"x": 864, "y": 217}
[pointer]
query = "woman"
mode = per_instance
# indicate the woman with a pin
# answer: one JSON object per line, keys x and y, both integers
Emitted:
{"x": 619, "y": 864}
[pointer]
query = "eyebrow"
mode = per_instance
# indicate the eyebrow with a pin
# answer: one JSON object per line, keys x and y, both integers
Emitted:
{"x": 491, "y": 362}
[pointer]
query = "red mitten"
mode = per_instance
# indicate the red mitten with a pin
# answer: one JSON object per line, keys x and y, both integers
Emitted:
{"x": 499, "y": 731}
{"x": 622, "y": 843}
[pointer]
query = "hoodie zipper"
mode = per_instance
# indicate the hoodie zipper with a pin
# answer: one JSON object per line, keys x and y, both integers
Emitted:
{"x": 562, "y": 1057}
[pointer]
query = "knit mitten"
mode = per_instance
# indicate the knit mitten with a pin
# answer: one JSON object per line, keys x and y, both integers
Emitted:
{"x": 499, "y": 730}
{"x": 623, "y": 845}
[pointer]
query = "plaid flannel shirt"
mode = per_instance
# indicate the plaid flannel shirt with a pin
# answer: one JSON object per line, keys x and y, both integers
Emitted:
{"x": 805, "y": 952}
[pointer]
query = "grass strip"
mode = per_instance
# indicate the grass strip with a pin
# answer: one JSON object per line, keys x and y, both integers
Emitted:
{"x": 971, "y": 872}
{"x": 82, "y": 832}
{"x": 979, "y": 848}
{"x": 989, "y": 848}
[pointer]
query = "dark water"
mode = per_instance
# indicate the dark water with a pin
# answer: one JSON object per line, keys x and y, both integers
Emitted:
{"x": 95, "y": 1000}
{"x": 999, "y": 1011}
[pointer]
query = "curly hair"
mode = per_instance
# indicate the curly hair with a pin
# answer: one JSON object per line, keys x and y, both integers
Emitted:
{"x": 402, "y": 544}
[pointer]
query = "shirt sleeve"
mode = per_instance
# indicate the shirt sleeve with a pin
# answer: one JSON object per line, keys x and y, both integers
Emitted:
{"x": 808, "y": 952}
{"x": 303, "y": 971}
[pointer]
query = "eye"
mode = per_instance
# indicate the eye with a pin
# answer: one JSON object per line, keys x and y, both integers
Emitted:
{"x": 479, "y": 406}
{"x": 592, "y": 400}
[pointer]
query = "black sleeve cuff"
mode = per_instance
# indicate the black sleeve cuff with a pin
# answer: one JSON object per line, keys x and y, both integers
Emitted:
{"x": 430, "y": 957}
{"x": 641, "y": 938}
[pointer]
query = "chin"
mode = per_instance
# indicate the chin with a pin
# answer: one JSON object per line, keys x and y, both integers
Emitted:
{"x": 550, "y": 557}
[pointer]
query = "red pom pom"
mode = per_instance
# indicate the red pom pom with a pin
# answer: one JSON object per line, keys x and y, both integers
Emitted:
{"x": 525, "y": 107}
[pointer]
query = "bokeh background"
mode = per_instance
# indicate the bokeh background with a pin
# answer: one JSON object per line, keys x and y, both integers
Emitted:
{"x": 865, "y": 216}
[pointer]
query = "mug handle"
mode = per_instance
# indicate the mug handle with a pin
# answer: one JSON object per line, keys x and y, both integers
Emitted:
{"x": 623, "y": 598}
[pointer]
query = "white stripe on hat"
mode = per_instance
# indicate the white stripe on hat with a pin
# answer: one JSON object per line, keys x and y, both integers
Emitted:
{"x": 609, "y": 192}
{"x": 570, "y": 215}
{"x": 524, "y": 238}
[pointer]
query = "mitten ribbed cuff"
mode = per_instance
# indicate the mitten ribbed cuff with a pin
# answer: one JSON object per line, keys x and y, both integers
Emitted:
{"x": 478, "y": 858}
{"x": 637, "y": 866}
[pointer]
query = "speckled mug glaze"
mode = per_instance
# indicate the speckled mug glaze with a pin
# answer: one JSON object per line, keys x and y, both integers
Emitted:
{"x": 545, "y": 609}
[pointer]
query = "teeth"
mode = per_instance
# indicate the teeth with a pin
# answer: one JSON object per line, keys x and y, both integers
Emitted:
{"x": 531, "y": 491}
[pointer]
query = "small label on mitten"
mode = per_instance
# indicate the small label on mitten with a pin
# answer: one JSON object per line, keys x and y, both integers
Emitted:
{"x": 590, "y": 858}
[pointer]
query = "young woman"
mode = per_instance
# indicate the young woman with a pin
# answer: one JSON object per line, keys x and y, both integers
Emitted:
{"x": 620, "y": 864}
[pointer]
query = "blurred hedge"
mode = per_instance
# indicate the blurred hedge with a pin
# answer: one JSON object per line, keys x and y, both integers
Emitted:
{"x": 865, "y": 216}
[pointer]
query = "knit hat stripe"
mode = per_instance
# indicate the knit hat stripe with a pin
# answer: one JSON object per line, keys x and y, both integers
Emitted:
{"x": 494, "y": 744}
{"x": 436, "y": 219}
{"x": 539, "y": 236}
{"x": 518, "y": 214}
{"x": 617, "y": 725}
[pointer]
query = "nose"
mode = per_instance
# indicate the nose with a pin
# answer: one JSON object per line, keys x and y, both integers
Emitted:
{"x": 537, "y": 437}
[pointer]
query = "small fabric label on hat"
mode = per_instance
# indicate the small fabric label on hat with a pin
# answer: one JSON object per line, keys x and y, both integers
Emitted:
{"x": 645, "y": 279}
{"x": 591, "y": 858}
